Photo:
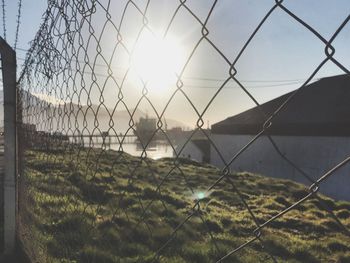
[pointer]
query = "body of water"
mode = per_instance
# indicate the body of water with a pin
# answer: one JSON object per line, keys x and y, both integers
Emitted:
{"x": 155, "y": 150}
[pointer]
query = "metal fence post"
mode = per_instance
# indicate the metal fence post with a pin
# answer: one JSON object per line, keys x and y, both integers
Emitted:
{"x": 8, "y": 58}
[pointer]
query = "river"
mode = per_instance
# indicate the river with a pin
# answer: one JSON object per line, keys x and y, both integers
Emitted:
{"x": 156, "y": 151}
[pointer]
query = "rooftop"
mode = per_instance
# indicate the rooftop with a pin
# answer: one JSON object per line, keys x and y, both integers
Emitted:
{"x": 319, "y": 109}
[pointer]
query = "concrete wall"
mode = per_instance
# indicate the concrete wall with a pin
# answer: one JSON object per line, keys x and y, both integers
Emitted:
{"x": 314, "y": 155}
{"x": 190, "y": 151}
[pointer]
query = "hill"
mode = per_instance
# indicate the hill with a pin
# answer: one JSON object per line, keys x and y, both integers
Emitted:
{"x": 106, "y": 209}
{"x": 86, "y": 117}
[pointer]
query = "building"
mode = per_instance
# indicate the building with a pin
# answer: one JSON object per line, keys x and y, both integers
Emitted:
{"x": 197, "y": 148}
{"x": 312, "y": 132}
{"x": 146, "y": 129}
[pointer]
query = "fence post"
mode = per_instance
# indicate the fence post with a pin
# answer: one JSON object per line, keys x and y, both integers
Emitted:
{"x": 8, "y": 59}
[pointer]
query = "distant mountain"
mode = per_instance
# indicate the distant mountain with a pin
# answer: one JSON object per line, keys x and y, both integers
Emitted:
{"x": 85, "y": 118}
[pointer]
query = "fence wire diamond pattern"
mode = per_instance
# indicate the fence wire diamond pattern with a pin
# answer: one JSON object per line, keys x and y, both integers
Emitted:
{"x": 81, "y": 201}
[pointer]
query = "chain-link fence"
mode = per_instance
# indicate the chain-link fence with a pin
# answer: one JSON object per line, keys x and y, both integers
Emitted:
{"x": 99, "y": 96}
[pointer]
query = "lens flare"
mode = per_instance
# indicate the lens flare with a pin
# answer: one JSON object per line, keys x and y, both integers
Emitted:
{"x": 200, "y": 195}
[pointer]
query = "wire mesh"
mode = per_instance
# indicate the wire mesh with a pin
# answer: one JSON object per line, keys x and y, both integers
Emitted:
{"x": 85, "y": 196}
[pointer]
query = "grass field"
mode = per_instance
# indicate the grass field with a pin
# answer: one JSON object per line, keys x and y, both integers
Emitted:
{"x": 102, "y": 206}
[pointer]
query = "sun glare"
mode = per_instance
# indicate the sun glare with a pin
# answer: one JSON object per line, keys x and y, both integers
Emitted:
{"x": 156, "y": 61}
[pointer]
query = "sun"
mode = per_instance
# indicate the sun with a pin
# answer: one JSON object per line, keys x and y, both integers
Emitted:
{"x": 157, "y": 61}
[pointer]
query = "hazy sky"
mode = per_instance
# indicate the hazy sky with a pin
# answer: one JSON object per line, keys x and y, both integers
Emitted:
{"x": 31, "y": 17}
{"x": 282, "y": 54}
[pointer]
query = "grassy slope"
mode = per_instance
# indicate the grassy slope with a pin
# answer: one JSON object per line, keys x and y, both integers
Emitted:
{"x": 90, "y": 213}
